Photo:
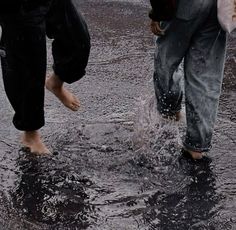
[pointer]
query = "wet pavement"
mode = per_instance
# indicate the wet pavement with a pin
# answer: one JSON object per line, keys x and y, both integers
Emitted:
{"x": 117, "y": 165}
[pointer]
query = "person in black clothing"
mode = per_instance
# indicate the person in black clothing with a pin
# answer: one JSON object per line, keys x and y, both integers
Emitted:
{"x": 189, "y": 31}
{"x": 25, "y": 24}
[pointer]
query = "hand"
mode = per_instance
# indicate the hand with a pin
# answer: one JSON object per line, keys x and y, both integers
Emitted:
{"x": 156, "y": 29}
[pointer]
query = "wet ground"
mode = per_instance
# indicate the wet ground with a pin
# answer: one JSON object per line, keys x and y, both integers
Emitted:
{"x": 118, "y": 165}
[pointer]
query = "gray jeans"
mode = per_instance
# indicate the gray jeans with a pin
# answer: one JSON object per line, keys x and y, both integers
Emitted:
{"x": 196, "y": 37}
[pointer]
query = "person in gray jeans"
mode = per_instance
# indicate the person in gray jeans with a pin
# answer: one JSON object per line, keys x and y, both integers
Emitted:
{"x": 192, "y": 35}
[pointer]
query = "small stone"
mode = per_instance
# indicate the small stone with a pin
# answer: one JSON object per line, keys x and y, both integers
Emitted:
{"x": 106, "y": 148}
{"x": 55, "y": 153}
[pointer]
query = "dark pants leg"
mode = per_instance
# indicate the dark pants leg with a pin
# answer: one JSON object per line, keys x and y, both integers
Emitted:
{"x": 24, "y": 69}
{"x": 71, "y": 40}
{"x": 24, "y": 66}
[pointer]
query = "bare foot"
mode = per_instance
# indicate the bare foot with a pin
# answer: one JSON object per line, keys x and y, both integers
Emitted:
{"x": 177, "y": 117}
{"x": 55, "y": 85}
{"x": 192, "y": 154}
{"x": 196, "y": 155}
{"x": 32, "y": 140}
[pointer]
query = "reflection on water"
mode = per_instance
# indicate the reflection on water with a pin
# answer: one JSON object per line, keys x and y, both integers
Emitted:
{"x": 51, "y": 195}
{"x": 190, "y": 208}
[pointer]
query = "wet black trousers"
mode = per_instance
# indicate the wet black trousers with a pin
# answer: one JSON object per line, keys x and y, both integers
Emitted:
{"x": 24, "y": 65}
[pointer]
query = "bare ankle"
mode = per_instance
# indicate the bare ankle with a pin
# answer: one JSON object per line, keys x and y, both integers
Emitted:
{"x": 193, "y": 154}
{"x": 196, "y": 155}
{"x": 31, "y": 135}
{"x": 178, "y": 116}
{"x": 33, "y": 141}
{"x": 53, "y": 82}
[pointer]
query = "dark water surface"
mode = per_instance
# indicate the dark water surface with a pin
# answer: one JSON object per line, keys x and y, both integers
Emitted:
{"x": 118, "y": 165}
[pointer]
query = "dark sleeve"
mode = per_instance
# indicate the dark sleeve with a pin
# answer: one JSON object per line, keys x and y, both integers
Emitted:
{"x": 9, "y": 6}
{"x": 12, "y": 6}
{"x": 155, "y": 3}
{"x": 153, "y": 13}
{"x": 162, "y": 10}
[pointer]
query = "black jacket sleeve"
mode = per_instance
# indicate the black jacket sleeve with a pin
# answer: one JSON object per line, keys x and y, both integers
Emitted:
{"x": 9, "y": 6}
{"x": 162, "y": 10}
{"x": 12, "y": 6}
{"x": 10, "y": 9}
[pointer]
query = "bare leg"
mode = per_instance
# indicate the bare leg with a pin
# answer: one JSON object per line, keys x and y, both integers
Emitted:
{"x": 33, "y": 141}
{"x": 55, "y": 85}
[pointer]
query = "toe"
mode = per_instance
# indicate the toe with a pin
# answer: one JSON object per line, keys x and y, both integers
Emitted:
{"x": 76, "y": 101}
{"x": 74, "y": 107}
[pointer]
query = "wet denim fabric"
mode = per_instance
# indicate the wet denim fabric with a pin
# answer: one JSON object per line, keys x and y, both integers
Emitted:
{"x": 195, "y": 37}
